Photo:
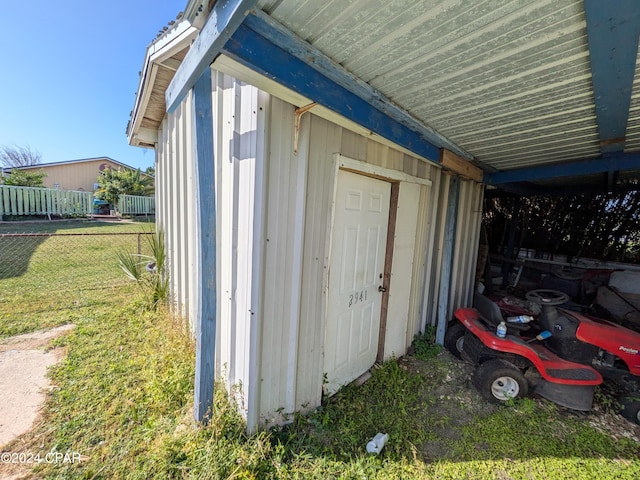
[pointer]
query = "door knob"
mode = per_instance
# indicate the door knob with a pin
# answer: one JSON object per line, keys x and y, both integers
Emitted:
{"x": 382, "y": 289}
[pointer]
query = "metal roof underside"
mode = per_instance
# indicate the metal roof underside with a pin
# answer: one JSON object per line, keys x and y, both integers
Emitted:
{"x": 518, "y": 86}
{"x": 543, "y": 95}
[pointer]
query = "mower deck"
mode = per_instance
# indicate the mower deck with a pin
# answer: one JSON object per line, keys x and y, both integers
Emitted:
{"x": 551, "y": 367}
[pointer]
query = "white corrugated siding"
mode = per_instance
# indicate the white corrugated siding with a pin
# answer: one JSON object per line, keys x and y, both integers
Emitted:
{"x": 273, "y": 220}
{"x": 432, "y": 287}
{"x": 238, "y": 144}
{"x": 297, "y": 221}
{"x": 176, "y": 213}
{"x": 463, "y": 272}
{"x": 465, "y": 248}
{"x": 426, "y": 265}
{"x": 284, "y": 241}
{"x": 239, "y": 175}
{"x": 324, "y": 141}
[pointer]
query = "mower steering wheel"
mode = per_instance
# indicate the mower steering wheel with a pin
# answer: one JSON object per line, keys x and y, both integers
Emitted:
{"x": 547, "y": 297}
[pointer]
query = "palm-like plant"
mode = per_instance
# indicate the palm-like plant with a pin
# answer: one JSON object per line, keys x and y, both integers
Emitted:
{"x": 148, "y": 271}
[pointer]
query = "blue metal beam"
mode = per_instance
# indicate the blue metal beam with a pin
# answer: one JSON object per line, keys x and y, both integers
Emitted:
{"x": 224, "y": 18}
{"x": 260, "y": 54}
{"x": 206, "y": 309}
{"x": 609, "y": 163}
{"x": 447, "y": 258}
{"x": 613, "y": 28}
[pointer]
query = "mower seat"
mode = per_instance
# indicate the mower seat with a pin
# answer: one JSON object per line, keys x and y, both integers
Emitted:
{"x": 488, "y": 309}
{"x": 490, "y": 313}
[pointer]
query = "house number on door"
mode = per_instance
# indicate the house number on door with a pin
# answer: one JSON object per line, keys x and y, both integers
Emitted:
{"x": 357, "y": 297}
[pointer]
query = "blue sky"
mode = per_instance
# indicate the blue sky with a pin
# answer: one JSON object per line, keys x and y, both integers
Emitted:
{"x": 70, "y": 73}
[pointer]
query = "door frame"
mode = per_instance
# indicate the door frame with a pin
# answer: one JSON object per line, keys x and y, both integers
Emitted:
{"x": 388, "y": 262}
{"x": 394, "y": 177}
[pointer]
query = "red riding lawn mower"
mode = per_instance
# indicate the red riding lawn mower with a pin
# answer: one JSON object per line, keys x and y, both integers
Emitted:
{"x": 561, "y": 355}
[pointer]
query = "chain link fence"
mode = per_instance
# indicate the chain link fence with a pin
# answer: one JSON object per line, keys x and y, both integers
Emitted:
{"x": 66, "y": 261}
{"x": 44, "y": 276}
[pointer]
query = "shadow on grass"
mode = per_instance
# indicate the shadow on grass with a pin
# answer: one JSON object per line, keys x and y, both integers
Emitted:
{"x": 20, "y": 240}
{"x": 16, "y": 253}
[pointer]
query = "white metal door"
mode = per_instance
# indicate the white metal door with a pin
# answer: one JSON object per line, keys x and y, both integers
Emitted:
{"x": 358, "y": 247}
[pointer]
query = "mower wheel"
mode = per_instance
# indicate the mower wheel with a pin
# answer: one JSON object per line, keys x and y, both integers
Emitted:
{"x": 500, "y": 381}
{"x": 631, "y": 407}
{"x": 454, "y": 338}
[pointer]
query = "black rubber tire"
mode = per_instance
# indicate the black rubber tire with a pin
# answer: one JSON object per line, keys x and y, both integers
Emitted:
{"x": 499, "y": 381}
{"x": 454, "y": 338}
{"x": 631, "y": 407}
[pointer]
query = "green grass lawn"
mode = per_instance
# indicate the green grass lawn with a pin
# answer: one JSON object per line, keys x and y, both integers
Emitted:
{"x": 124, "y": 392}
{"x": 50, "y": 281}
{"x": 75, "y": 226}
{"x": 124, "y": 396}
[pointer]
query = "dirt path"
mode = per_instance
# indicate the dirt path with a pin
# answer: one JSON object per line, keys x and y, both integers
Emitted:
{"x": 24, "y": 361}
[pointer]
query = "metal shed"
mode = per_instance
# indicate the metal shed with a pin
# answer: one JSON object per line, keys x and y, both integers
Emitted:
{"x": 321, "y": 167}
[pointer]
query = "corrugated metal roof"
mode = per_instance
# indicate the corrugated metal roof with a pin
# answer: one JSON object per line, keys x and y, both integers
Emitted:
{"x": 510, "y": 82}
{"x": 512, "y": 85}
{"x": 633, "y": 125}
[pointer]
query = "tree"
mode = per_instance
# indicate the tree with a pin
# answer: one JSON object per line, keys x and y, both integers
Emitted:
{"x": 597, "y": 225}
{"x": 115, "y": 182}
{"x": 19, "y": 156}
{"x": 25, "y": 178}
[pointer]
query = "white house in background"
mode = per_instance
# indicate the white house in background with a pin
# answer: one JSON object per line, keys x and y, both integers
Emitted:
{"x": 306, "y": 241}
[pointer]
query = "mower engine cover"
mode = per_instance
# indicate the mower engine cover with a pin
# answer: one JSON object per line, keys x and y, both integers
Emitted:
{"x": 613, "y": 338}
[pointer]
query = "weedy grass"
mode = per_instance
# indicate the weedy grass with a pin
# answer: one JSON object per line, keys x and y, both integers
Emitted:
{"x": 148, "y": 271}
{"x": 424, "y": 345}
{"x": 390, "y": 402}
{"x": 123, "y": 401}
{"x": 538, "y": 440}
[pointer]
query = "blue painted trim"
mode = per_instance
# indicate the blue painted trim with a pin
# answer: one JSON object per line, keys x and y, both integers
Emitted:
{"x": 609, "y": 163}
{"x": 256, "y": 52}
{"x": 206, "y": 317}
{"x": 224, "y": 18}
{"x": 447, "y": 258}
{"x": 613, "y": 28}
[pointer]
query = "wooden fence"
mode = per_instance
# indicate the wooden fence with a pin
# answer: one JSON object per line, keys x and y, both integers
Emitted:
{"x": 44, "y": 201}
{"x": 134, "y": 205}
{"x": 52, "y": 201}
